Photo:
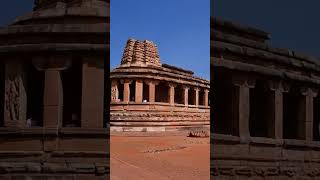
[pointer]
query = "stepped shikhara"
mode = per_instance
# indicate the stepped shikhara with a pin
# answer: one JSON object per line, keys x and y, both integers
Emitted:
{"x": 52, "y": 92}
{"x": 147, "y": 95}
{"x": 140, "y": 53}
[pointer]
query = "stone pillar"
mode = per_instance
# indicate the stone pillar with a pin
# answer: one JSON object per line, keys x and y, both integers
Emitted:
{"x": 15, "y": 105}
{"x": 206, "y": 97}
{"x": 114, "y": 91}
{"x": 276, "y": 113}
{"x": 306, "y": 113}
{"x": 197, "y": 96}
{"x": 242, "y": 105}
{"x": 171, "y": 93}
{"x": 152, "y": 90}
{"x": 139, "y": 91}
{"x": 92, "y": 94}
{"x": 53, "y": 99}
{"x": 186, "y": 89}
{"x": 53, "y": 89}
{"x": 126, "y": 90}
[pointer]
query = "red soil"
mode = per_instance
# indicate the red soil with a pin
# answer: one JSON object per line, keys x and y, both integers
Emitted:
{"x": 158, "y": 156}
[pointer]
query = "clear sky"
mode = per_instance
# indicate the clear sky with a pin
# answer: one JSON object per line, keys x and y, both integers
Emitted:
{"x": 13, "y": 8}
{"x": 180, "y": 28}
{"x": 293, "y": 24}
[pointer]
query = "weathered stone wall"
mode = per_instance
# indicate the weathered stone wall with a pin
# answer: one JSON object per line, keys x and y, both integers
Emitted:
{"x": 245, "y": 62}
{"x": 55, "y": 37}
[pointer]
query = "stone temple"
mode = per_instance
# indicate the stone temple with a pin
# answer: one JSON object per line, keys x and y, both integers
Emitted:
{"x": 147, "y": 95}
{"x": 266, "y": 107}
{"x": 52, "y": 92}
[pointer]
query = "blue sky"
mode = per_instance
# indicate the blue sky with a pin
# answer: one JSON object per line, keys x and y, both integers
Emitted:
{"x": 13, "y": 8}
{"x": 293, "y": 24}
{"x": 180, "y": 28}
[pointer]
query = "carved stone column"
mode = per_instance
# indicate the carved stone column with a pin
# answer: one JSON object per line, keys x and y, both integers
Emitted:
{"x": 242, "y": 105}
{"x": 196, "y": 89}
{"x": 53, "y": 90}
{"x": 275, "y": 124}
{"x": 306, "y": 113}
{"x": 53, "y": 99}
{"x": 126, "y": 90}
{"x": 92, "y": 93}
{"x": 139, "y": 91}
{"x": 152, "y": 90}
{"x": 206, "y": 97}
{"x": 15, "y": 106}
{"x": 186, "y": 89}
{"x": 171, "y": 93}
{"x": 114, "y": 91}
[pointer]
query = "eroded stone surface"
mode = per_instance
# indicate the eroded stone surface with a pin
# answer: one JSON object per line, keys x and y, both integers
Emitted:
{"x": 266, "y": 114}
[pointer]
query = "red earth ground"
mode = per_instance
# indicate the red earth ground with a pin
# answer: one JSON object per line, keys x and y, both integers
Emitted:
{"x": 158, "y": 156}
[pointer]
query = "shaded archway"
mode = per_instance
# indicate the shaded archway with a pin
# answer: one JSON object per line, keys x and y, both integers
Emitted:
{"x": 192, "y": 96}
{"x": 72, "y": 94}
{"x": 162, "y": 92}
{"x": 35, "y": 95}
{"x": 145, "y": 92}
{"x": 132, "y": 88}
{"x": 179, "y": 95}
{"x": 293, "y": 125}
{"x": 120, "y": 90}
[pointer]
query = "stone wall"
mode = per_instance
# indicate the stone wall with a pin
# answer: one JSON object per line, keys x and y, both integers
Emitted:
{"x": 266, "y": 107}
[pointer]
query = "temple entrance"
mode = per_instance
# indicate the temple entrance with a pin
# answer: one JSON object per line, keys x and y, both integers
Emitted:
{"x": 132, "y": 87}
{"x": 35, "y": 94}
{"x": 145, "y": 93}
{"x": 72, "y": 94}
{"x": 162, "y": 92}
{"x": 2, "y": 92}
{"x": 293, "y": 125}
{"x": 191, "y": 96}
{"x": 179, "y": 95}
{"x": 261, "y": 111}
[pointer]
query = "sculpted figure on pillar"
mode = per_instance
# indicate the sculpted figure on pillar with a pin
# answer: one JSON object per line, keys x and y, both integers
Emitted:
{"x": 114, "y": 91}
{"x": 12, "y": 104}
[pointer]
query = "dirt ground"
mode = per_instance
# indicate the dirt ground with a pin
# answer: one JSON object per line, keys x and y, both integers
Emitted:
{"x": 157, "y": 156}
